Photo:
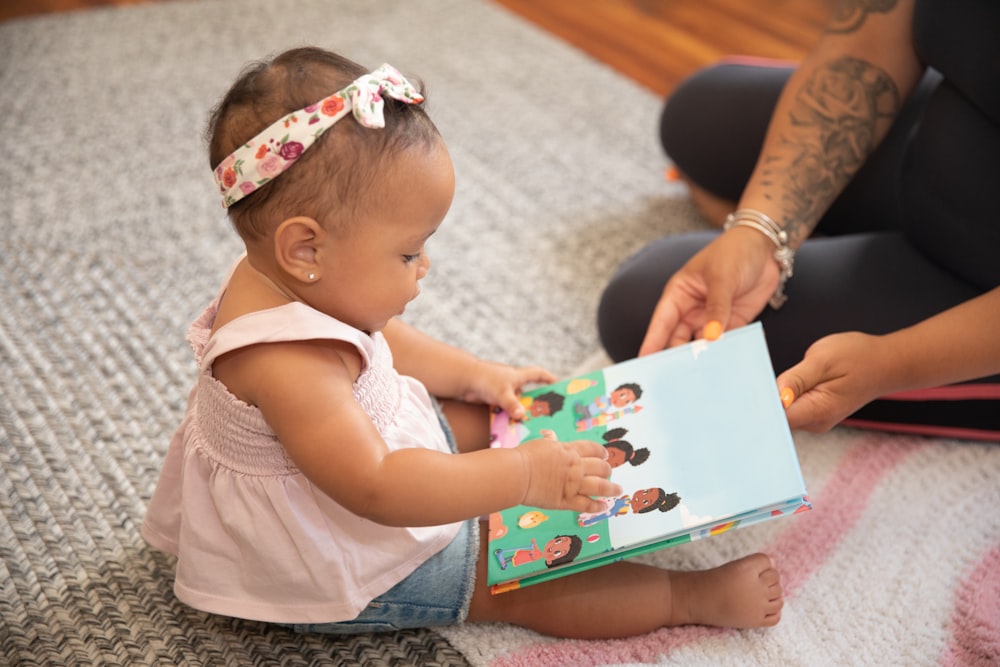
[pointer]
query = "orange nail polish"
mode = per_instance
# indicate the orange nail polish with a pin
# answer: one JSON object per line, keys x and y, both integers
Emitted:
{"x": 787, "y": 396}
{"x": 713, "y": 330}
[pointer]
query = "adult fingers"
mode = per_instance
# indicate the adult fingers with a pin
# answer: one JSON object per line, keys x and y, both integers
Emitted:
{"x": 799, "y": 379}
{"x": 795, "y": 383}
{"x": 662, "y": 325}
{"x": 719, "y": 290}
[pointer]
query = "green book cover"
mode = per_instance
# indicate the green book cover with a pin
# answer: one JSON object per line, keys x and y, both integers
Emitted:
{"x": 697, "y": 438}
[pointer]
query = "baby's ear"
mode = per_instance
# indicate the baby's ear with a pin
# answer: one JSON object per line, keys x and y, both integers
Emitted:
{"x": 295, "y": 248}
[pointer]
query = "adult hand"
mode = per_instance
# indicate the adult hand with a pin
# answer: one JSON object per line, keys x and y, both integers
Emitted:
{"x": 728, "y": 281}
{"x": 839, "y": 374}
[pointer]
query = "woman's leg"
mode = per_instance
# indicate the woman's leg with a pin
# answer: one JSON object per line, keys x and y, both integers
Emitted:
{"x": 713, "y": 126}
{"x": 950, "y": 198}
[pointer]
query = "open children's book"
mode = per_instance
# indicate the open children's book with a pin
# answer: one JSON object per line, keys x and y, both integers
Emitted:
{"x": 696, "y": 436}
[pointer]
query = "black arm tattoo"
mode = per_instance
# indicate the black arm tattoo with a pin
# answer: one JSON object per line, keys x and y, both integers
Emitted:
{"x": 834, "y": 127}
{"x": 850, "y": 14}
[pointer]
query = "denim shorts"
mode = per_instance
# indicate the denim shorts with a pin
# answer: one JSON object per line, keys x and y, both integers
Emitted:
{"x": 436, "y": 593}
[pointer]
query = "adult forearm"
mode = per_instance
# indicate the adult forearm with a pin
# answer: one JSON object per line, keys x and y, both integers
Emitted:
{"x": 960, "y": 344}
{"x": 833, "y": 113}
{"x": 828, "y": 122}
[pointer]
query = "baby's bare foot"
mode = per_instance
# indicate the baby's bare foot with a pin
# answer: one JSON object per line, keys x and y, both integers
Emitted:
{"x": 744, "y": 593}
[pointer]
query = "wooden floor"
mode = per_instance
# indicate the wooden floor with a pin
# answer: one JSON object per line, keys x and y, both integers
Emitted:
{"x": 659, "y": 42}
{"x": 655, "y": 42}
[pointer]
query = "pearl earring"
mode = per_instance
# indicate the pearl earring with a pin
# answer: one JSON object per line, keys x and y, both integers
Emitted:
{"x": 312, "y": 276}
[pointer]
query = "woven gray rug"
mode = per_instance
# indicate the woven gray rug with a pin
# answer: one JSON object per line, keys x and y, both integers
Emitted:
{"x": 113, "y": 240}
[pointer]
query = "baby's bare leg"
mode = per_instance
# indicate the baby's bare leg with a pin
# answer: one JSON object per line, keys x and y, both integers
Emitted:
{"x": 627, "y": 598}
{"x": 470, "y": 422}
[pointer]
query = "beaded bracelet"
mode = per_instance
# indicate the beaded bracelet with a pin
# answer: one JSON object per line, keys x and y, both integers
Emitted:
{"x": 783, "y": 253}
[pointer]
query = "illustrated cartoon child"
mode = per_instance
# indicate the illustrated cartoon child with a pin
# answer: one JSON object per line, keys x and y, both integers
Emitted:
{"x": 621, "y": 397}
{"x": 562, "y": 549}
{"x": 640, "y": 502}
{"x": 621, "y": 451}
{"x": 514, "y": 556}
{"x": 559, "y": 550}
{"x": 612, "y": 507}
{"x": 543, "y": 405}
{"x": 647, "y": 500}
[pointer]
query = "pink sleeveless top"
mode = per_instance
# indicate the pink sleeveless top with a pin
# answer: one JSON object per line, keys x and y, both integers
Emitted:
{"x": 253, "y": 537}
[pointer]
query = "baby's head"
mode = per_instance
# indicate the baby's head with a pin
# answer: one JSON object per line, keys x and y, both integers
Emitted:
{"x": 330, "y": 181}
{"x": 335, "y": 178}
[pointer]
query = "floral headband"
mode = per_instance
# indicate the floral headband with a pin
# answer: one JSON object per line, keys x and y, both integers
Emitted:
{"x": 278, "y": 147}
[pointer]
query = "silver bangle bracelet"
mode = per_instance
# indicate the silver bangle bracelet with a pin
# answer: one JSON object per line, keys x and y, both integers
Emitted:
{"x": 783, "y": 253}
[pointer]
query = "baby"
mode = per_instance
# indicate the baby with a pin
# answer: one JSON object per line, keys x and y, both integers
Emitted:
{"x": 333, "y": 461}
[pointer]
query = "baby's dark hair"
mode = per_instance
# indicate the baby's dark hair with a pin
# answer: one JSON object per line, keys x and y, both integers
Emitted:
{"x": 341, "y": 170}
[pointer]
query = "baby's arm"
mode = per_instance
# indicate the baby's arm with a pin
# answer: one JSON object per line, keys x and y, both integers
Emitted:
{"x": 449, "y": 372}
{"x": 308, "y": 401}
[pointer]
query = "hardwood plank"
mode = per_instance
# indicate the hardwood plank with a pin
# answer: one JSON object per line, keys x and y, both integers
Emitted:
{"x": 16, "y": 8}
{"x": 659, "y": 42}
{"x": 655, "y": 42}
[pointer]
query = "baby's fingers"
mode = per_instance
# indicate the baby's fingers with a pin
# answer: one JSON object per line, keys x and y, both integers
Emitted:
{"x": 593, "y": 461}
{"x": 591, "y": 500}
{"x": 536, "y": 375}
{"x": 599, "y": 486}
{"x": 595, "y": 482}
{"x": 590, "y": 450}
{"x": 594, "y": 469}
{"x": 511, "y": 404}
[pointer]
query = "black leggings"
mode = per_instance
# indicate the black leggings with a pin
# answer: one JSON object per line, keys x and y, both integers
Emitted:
{"x": 862, "y": 272}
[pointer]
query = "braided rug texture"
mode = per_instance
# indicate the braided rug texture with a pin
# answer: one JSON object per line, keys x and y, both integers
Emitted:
{"x": 113, "y": 239}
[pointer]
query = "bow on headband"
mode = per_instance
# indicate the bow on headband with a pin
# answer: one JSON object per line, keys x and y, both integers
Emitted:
{"x": 278, "y": 147}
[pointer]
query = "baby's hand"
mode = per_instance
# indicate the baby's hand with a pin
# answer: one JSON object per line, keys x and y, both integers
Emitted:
{"x": 565, "y": 475}
{"x": 499, "y": 384}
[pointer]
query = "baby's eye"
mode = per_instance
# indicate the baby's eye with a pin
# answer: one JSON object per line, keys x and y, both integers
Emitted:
{"x": 412, "y": 258}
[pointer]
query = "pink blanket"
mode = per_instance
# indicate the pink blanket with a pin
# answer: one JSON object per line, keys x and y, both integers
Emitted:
{"x": 898, "y": 564}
